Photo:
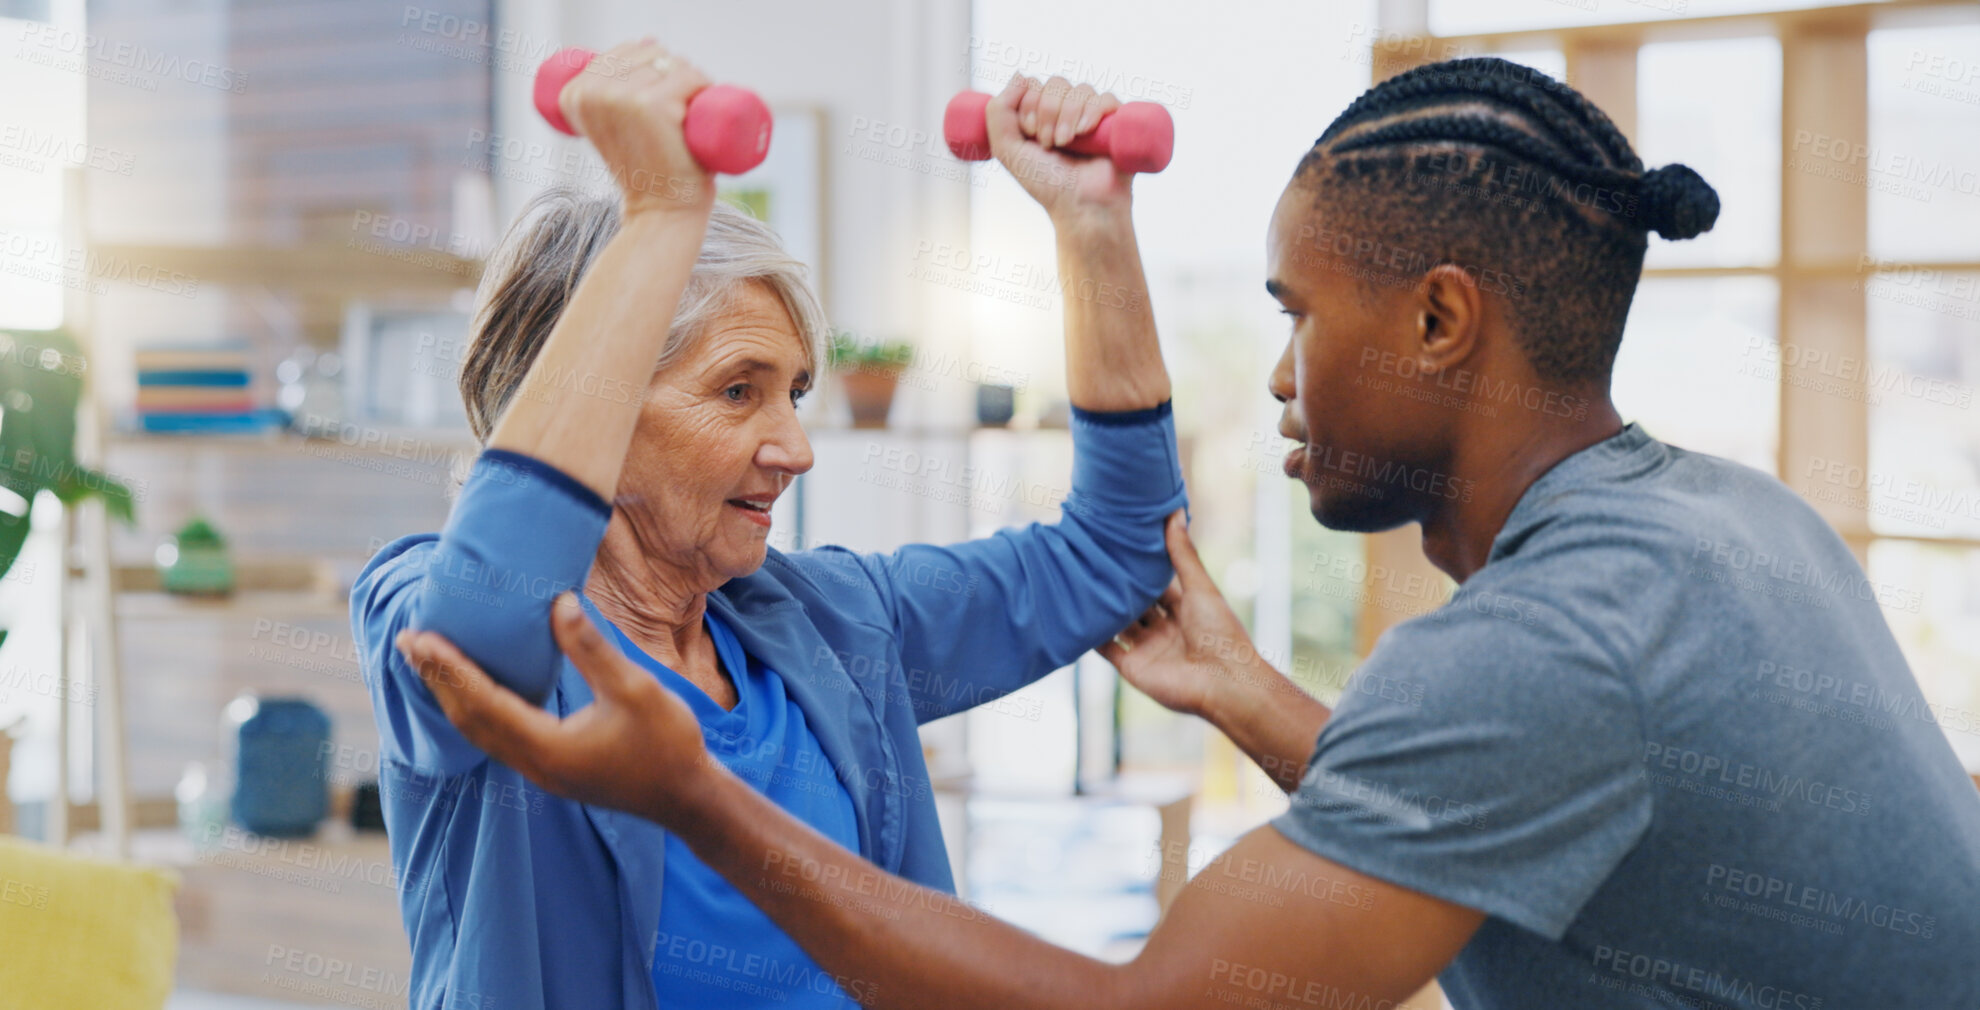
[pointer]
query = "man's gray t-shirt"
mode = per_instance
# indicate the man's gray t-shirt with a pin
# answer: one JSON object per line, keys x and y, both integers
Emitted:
{"x": 1666, "y": 742}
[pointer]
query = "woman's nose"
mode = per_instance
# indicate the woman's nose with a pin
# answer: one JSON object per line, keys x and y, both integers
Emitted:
{"x": 788, "y": 448}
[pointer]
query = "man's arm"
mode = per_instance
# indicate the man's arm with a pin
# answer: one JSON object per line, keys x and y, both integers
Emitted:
{"x": 1190, "y": 653}
{"x": 1267, "y": 920}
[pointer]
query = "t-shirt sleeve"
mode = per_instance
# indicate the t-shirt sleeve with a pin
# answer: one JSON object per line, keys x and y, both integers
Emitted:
{"x": 1488, "y": 754}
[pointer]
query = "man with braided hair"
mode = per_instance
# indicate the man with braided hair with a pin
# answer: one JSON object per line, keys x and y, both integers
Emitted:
{"x": 1658, "y": 749}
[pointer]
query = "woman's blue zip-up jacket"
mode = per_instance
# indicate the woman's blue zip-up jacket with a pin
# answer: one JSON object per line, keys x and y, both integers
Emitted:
{"x": 514, "y": 899}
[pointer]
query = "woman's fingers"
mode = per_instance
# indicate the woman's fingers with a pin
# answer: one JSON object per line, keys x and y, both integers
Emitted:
{"x": 1051, "y": 99}
{"x": 1028, "y": 103}
{"x": 491, "y": 716}
{"x": 619, "y": 63}
{"x": 1101, "y": 106}
{"x": 1072, "y": 113}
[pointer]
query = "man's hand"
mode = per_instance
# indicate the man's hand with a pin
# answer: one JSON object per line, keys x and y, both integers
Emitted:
{"x": 637, "y": 747}
{"x": 1028, "y": 124}
{"x": 1189, "y": 644}
{"x": 1190, "y": 653}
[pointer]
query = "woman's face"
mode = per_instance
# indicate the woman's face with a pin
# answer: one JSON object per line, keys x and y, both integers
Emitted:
{"x": 717, "y": 442}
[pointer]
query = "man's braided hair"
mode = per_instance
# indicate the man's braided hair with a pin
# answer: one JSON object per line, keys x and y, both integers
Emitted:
{"x": 1514, "y": 177}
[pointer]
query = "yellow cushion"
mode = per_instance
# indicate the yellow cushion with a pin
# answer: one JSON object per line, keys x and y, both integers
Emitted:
{"x": 82, "y": 932}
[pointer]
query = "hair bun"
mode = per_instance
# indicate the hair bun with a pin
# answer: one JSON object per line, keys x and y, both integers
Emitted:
{"x": 1677, "y": 202}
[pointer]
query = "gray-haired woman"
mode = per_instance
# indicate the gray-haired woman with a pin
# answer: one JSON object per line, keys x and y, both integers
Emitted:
{"x": 634, "y": 374}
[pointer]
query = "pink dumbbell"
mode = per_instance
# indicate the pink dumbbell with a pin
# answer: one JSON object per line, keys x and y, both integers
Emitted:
{"x": 727, "y": 128}
{"x": 1137, "y": 137}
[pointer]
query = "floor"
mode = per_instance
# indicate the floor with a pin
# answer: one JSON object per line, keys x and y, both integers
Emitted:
{"x": 189, "y": 1000}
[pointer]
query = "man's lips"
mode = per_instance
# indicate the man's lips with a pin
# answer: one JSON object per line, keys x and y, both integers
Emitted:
{"x": 1295, "y": 464}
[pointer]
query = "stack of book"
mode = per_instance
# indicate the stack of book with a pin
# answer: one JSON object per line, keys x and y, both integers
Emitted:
{"x": 196, "y": 389}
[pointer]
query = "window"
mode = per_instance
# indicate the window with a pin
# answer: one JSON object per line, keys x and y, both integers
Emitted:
{"x": 1683, "y": 116}
{"x": 1924, "y": 115}
{"x": 40, "y": 142}
{"x": 1464, "y": 17}
{"x": 1699, "y": 368}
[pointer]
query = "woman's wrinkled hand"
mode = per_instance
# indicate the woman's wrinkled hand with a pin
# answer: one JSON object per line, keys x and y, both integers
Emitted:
{"x": 637, "y": 747}
{"x": 630, "y": 103}
{"x": 1030, "y": 121}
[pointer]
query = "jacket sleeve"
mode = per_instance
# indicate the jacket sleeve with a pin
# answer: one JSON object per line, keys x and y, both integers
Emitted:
{"x": 977, "y": 620}
{"x": 521, "y": 533}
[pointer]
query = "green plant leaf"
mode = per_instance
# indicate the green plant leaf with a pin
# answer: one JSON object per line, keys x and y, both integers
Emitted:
{"x": 82, "y": 482}
{"x": 850, "y": 351}
{"x": 13, "y": 534}
{"x": 199, "y": 533}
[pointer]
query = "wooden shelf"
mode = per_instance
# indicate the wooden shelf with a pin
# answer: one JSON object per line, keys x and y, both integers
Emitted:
{"x": 332, "y": 269}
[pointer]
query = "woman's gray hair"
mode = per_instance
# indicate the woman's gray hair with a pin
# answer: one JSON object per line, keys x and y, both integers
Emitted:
{"x": 532, "y": 273}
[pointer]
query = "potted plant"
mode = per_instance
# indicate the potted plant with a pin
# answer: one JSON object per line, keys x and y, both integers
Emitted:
{"x": 40, "y": 386}
{"x": 870, "y": 371}
{"x": 196, "y": 562}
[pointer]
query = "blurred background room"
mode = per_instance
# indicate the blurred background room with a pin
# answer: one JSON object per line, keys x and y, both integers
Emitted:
{"x": 238, "y": 246}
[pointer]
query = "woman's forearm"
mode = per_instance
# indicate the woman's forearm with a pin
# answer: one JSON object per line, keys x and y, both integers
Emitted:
{"x": 578, "y": 405}
{"x": 1113, "y": 360}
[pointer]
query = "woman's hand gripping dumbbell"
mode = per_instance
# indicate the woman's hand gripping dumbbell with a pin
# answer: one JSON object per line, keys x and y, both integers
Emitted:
{"x": 1136, "y": 136}
{"x": 725, "y": 128}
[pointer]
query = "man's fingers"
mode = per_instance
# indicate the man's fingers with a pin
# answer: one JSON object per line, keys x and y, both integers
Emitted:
{"x": 1112, "y": 652}
{"x": 491, "y": 716}
{"x": 1171, "y": 599}
{"x": 605, "y": 668}
{"x": 1182, "y": 554}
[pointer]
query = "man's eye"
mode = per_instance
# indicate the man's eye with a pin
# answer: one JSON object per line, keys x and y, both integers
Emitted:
{"x": 798, "y": 393}
{"x": 737, "y": 392}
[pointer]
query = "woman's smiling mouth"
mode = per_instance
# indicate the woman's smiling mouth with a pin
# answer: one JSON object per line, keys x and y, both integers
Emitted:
{"x": 755, "y": 508}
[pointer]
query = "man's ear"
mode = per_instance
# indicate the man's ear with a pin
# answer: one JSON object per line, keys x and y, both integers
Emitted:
{"x": 1450, "y": 314}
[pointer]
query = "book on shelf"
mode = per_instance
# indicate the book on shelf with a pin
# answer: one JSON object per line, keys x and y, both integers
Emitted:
{"x": 198, "y": 389}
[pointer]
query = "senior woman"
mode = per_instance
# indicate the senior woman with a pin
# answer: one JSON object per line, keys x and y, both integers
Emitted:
{"x": 633, "y": 376}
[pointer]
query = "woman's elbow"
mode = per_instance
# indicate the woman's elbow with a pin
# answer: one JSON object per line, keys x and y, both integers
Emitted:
{"x": 1135, "y": 549}
{"x": 507, "y": 635}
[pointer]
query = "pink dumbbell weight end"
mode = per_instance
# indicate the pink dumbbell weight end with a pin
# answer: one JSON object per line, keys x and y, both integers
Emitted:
{"x": 1137, "y": 137}
{"x": 727, "y": 128}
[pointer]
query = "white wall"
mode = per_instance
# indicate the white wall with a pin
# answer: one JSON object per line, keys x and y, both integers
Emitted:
{"x": 870, "y": 64}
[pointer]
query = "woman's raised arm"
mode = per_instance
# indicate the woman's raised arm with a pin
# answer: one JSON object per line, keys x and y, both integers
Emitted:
{"x": 580, "y": 402}
{"x": 533, "y": 511}
{"x": 1113, "y": 360}
{"x": 977, "y": 620}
